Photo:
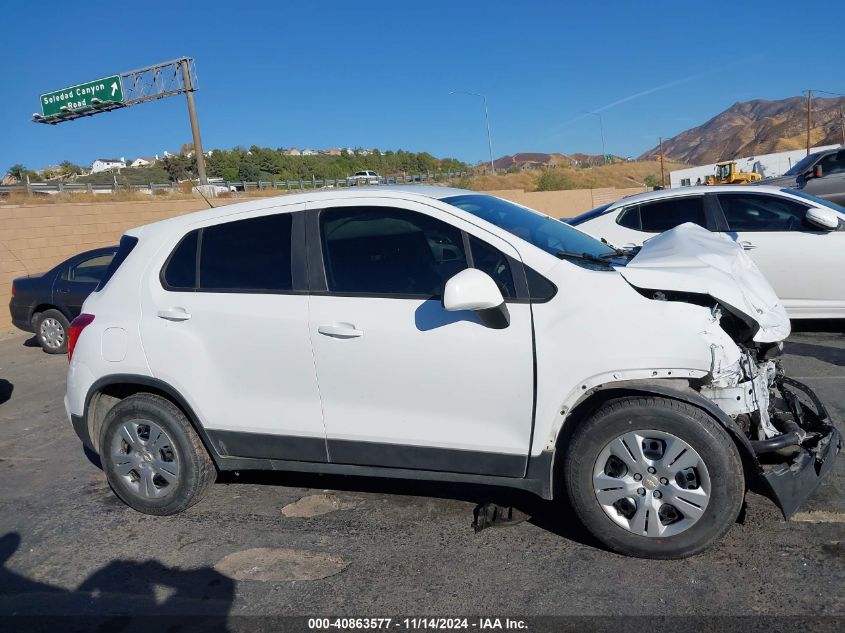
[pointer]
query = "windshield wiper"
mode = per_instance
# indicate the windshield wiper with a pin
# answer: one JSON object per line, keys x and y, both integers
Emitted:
{"x": 586, "y": 257}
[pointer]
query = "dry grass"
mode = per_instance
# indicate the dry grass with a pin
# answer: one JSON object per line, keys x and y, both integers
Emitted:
{"x": 620, "y": 175}
{"x": 22, "y": 198}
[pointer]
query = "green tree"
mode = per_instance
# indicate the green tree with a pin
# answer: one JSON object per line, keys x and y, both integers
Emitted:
{"x": 67, "y": 168}
{"x": 18, "y": 172}
{"x": 553, "y": 180}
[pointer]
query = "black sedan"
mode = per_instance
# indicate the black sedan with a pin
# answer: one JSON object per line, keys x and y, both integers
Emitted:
{"x": 46, "y": 304}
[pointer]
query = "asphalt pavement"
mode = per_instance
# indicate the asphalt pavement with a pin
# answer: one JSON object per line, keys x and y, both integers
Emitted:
{"x": 292, "y": 544}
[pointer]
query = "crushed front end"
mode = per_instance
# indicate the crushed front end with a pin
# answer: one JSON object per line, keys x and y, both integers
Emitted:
{"x": 789, "y": 430}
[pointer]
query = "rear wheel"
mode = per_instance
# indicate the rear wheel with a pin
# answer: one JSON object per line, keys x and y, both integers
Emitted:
{"x": 654, "y": 477}
{"x": 51, "y": 329}
{"x": 152, "y": 457}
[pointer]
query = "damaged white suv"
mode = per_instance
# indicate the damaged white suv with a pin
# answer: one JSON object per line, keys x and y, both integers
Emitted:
{"x": 430, "y": 333}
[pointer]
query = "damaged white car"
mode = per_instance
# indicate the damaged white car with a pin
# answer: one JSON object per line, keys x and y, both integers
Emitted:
{"x": 431, "y": 333}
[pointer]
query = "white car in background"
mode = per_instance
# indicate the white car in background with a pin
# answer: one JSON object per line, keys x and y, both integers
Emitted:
{"x": 366, "y": 177}
{"x": 796, "y": 240}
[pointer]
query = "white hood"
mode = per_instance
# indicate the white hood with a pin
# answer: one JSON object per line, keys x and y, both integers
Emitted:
{"x": 690, "y": 258}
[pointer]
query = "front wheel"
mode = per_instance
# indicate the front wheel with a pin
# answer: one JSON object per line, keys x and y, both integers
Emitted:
{"x": 654, "y": 477}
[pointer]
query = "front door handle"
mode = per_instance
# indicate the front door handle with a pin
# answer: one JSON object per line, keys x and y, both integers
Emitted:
{"x": 747, "y": 246}
{"x": 174, "y": 314}
{"x": 340, "y": 330}
{"x": 63, "y": 291}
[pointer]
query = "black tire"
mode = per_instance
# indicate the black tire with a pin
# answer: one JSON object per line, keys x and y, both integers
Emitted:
{"x": 195, "y": 471}
{"x": 690, "y": 424}
{"x": 51, "y": 328}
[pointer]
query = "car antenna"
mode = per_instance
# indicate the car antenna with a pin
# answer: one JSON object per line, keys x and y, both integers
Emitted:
{"x": 199, "y": 191}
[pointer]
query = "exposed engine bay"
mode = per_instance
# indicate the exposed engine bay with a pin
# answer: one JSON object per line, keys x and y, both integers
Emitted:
{"x": 786, "y": 425}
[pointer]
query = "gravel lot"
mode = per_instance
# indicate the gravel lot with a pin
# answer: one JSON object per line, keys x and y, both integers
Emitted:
{"x": 320, "y": 545}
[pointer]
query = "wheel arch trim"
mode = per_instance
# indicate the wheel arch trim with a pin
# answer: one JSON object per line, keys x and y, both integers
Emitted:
{"x": 82, "y": 423}
{"x": 676, "y": 389}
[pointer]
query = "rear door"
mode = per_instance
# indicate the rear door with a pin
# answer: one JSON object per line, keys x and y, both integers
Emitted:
{"x": 224, "y": 321}
{"x": 78, "y": 280}
{"x": 633, "y": 224}
{"x": 404, "y": 383}
{"x": 803, "y": 264}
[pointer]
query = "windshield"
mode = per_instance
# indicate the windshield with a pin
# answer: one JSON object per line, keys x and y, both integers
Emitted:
{"x": 802, "y": 165}
{"x": 589, "y": 215}
{"x": 820, "y": 201}
{"x": 552, "y": 235}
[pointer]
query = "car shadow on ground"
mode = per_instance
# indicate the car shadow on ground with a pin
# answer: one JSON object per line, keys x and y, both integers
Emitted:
{"x": 189, "y": 600}
{"x": 32, "y": 341}
{"x": 6, "y": 389}
{"x": 556, "y": 516}
{"x": 825, "y": 353}
{"x": 836, "y": 326}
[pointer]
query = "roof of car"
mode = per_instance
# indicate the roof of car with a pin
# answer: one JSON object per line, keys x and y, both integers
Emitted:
{"x": 375, "y": 191}
{"x": 696, "y": 189}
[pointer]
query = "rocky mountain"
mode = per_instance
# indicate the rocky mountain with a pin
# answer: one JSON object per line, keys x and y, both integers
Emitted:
{"x": 539, "y": 160}
{"x": 756, "y": 127}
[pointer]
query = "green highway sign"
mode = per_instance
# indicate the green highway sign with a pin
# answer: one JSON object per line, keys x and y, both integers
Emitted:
{"x": 83, "y": 96}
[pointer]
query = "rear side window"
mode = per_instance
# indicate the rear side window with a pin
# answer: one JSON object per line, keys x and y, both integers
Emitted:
{"x": 180, "y": 272}
{"x": 249, "y": 254}
{"x": 90, "y": 270}
{"x": 630, "y": 218}
{"x": 127, "y": 243}
{"x": 240, "y": 256}
{"x": 656, "y": 217}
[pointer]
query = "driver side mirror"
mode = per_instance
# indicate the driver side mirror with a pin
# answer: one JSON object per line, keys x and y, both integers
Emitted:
{"x": 472, "y": 289}
{"x": 815, "y": 172}
{"x": 826, "y": 219}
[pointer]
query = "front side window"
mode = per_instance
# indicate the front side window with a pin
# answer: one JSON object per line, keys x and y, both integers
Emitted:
{"x": 662, "y": 215}
{"x": 492, "y": 261}
{"x": 90, "y": 270}
{"x": 748, "y": 212}
{"x": 833, "y": 163}
{"x": 240, "y": 256}
{"x": 388, "y": 251}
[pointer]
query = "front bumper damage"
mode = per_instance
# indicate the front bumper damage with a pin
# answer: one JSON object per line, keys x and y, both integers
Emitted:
{"x": 793, "y": 473}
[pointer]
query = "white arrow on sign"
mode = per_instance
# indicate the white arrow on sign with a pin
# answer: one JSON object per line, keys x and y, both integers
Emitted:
{"x": 113, "y": 88}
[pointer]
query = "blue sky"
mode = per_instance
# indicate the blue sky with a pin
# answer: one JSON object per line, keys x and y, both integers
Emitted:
{"x": 378, "y": 74}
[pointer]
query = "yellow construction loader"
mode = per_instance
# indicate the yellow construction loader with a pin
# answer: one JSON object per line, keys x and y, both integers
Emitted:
{"x": 728, "y": 174}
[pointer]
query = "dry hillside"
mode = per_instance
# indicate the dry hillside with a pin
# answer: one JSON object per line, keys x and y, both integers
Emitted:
{"x": 620, "y": 175}
{"x": 756, "y": 127}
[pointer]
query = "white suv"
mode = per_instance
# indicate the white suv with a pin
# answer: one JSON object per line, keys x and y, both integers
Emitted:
{"x": 365, "y": 178}
{"x": 444, "y": 334}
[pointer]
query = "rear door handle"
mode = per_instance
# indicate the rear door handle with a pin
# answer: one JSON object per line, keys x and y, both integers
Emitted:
{"x": 340, "y": 330}
{"x": 63, "y": 291}
{"x": 747, "y": 246}
{"x": 174, "y": 314}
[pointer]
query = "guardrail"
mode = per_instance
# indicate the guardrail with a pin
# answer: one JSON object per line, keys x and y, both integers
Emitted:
{"x": 239, "y": 185}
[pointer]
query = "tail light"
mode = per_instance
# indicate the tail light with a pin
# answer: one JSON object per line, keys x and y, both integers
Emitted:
{"x": 14, "y": 290}
{"x": 76, "y": 327}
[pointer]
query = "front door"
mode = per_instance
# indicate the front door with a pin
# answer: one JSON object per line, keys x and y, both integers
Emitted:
{"x": 404, "y": 383}
{"x": 800, "y": 261}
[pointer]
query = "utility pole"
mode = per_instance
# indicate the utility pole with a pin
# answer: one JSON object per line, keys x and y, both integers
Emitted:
{"x": 809, "y": 117}
{"x": 601, "y": 130}
{"x": 195, "y": 126}
{"x": 662, "y": 173}
{"x": 842, "y": 125}
{"x": 486, "y": 118}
